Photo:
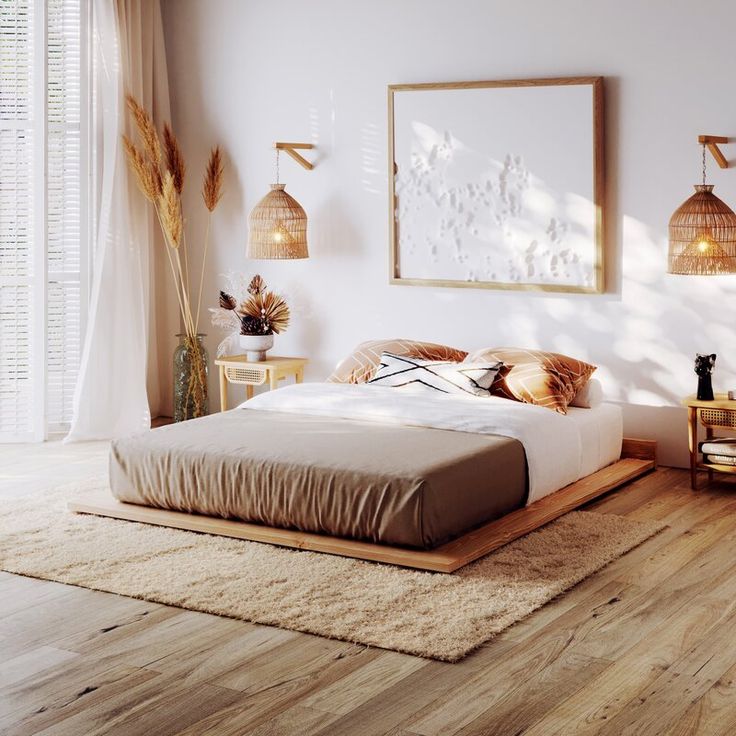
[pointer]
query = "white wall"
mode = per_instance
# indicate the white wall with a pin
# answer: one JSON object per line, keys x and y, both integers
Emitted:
{"x": 246, "y": 73}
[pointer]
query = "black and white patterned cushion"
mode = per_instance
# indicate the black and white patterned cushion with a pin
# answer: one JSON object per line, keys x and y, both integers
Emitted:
{"x": 447, "y": 377}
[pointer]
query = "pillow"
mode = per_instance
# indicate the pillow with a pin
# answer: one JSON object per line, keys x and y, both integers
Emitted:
{"x": 536, "y": 377}
{"x": 399, "y": 371}
{"x": 361, "y": 364}
{"x": 589, "y": 396}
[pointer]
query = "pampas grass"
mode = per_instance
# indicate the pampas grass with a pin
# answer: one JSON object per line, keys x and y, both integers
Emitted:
{"x": 211, "y": 194}
{"x": 146, "y": 129}
{"x": 212, "y": 186}
{"x": 168, "y": 205}
{"x": 160, "y": 172}
{"x": 174, "y": 158}
{"x": 147, "y": 181}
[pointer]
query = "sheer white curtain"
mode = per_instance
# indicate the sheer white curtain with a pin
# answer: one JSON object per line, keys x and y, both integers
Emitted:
{"x": 125, "y": 375}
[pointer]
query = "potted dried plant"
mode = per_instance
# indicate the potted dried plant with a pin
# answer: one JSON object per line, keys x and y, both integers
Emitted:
{"x": 261, "y": 315}
{"x": 160, "y": 172}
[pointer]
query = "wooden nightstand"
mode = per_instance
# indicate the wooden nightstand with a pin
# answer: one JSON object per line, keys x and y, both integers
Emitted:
{"x": 238, "y": 369}
{"x": 720, "y": 413}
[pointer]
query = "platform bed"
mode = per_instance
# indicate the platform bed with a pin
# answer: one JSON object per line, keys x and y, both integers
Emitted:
{"x": 638, "y": 457}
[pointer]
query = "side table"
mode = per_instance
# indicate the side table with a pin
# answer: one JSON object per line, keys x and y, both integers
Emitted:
{"x": 238, "y": 369}
{"x": 719, "y": 413}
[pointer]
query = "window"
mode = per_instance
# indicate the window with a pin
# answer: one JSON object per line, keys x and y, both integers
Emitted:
{"x": 43, "y": 194}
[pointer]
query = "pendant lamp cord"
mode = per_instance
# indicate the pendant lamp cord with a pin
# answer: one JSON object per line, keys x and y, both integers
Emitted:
{"x": 277, "y": 165}
{"x": 703, "y": 164}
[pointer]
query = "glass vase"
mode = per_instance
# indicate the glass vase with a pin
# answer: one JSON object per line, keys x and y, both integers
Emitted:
{"x": 190, "y": 378}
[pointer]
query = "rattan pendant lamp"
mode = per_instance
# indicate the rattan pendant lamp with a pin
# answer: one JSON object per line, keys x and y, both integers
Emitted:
{"x": 703, "y": 228}
{"x": 277, "y": 225}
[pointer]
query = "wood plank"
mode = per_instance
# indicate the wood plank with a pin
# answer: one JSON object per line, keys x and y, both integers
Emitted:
{"x": 299, "y": 720}
{"x": 667, "y": 698}
{"x": 446, "y": 558}
{"x": 641, "y": 449}
{"x": 363, "y": 684}
{"x": 76, "y": 690}
{"x": 31, "y": 663}
{"x": 153, "y": 706}
{"x": 713, "y": 713}
{"x": 589, "y": 709}
{"x": 394, "y": 707}
{"x": 272, "y": 684}
{"x": 525, "y": 705}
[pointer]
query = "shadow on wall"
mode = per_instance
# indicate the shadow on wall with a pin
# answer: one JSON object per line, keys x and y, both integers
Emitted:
{"x": 644, "y": 341}
{"x": 332, "y": 232}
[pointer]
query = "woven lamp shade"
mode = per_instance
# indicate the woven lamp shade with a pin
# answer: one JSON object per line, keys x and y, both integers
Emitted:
{"x": 703, "y": 235}
{"x": 277, "y": 227}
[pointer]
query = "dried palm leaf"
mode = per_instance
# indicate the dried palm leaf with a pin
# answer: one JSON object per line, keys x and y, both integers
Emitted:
{"x": 275, "y": 311}
{"x": 257, "y": 285}
{"x": 251, "y": 307}
{"x": 227, "y": 301}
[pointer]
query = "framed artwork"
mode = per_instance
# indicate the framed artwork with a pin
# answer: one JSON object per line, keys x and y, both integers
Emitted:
{"x": 497, "y": 185}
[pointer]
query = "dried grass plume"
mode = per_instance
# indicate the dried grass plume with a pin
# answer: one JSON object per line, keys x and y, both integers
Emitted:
{"x": 212, "y": 186}
{"x": 147, "y": 130}
{"x": 174, "y": 158}
{"x": 146, "y": 178}
{"x": 171, "y": 219}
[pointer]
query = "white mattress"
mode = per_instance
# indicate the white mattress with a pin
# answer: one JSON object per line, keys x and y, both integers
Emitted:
{"x": 601, "y": 433}
{"x": 559, "y": 448}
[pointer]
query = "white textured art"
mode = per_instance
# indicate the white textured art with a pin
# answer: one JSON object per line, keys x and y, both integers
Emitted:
{"x": 496, "y": 185}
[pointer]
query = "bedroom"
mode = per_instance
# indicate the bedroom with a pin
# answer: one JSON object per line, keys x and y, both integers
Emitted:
{"x": 615, "y": 619}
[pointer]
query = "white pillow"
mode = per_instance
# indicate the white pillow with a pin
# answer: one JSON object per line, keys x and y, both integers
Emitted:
{"x": 401, "y": 371}
{"x": 589, "y": 396}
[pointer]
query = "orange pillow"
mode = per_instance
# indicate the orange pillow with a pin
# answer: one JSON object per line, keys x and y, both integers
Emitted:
{"x": 362, "y": 363}
{"x": 537, "y": 377}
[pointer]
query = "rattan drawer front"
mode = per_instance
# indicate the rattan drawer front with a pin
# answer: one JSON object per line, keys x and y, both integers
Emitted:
{"x": 717, "y": 418}
{"x": 253, "y": 376}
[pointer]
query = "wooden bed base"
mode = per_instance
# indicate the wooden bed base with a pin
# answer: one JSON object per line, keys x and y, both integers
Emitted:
{"x": 637, "y": 458}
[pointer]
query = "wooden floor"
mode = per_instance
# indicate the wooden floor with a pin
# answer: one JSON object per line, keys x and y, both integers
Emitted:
{"x": 646, "y": 646}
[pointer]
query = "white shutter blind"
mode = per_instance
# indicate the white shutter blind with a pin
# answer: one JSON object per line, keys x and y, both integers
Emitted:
{"x": 16, "y": 219}
{"x": 63, "y": 213}
{"x": 43, "y": 261}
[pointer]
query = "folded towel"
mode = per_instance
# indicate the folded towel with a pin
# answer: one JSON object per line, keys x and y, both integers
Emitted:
{"x": 720, "y": 459}
{"x": 722, "y": 446}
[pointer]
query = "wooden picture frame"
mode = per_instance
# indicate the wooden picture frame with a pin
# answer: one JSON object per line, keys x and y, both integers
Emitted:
{"x": 593, "y": 280}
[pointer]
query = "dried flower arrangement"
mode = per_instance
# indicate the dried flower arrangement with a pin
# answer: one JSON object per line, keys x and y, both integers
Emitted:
{"x": 256, "y": 311}
{"x": 160, "y": 173}
{"x": 262, "y": 312}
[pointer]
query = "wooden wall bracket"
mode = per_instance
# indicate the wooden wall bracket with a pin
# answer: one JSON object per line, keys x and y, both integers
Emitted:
{"x": 292, "y": 148}
{"x": 712, "y": 142}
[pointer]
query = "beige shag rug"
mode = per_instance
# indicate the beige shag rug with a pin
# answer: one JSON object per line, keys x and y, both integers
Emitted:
{"x": 429, "y": 614}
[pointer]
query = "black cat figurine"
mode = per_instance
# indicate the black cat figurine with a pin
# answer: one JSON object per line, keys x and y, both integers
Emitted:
{"x": 704, "y": 368}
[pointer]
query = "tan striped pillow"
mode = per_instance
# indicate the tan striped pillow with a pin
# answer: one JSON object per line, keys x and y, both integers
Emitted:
{"x": 536, "y": 376}
{"x": 362, "y": 363}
